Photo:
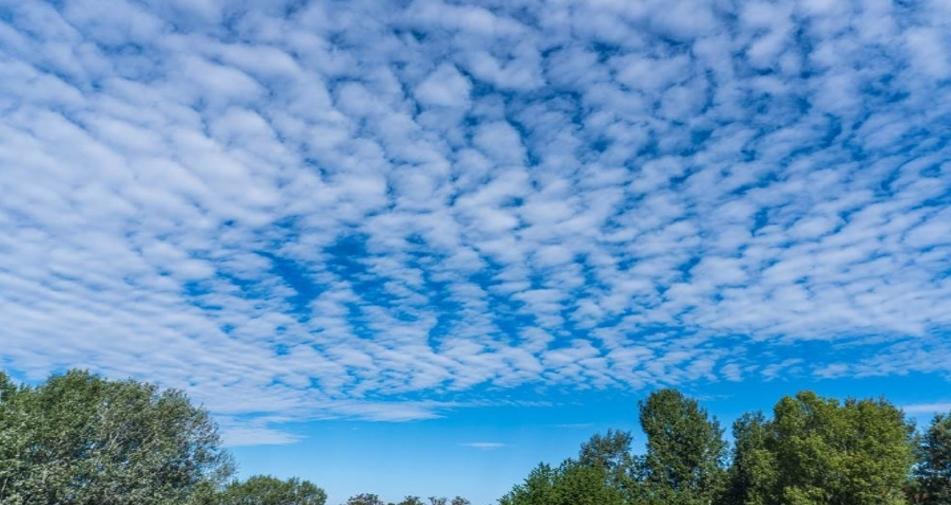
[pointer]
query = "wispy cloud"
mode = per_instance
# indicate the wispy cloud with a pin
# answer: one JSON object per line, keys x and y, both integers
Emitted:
{"x": 927, "y": 408}
{"x": 575, "y": 426}
{"x": 484, "y": 445}
{"x": 388, "y": 210}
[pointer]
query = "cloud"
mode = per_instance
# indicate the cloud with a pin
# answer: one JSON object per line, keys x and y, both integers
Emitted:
{"x": 487, "y": 446}
{"x": 244, "y": 436}
{"x": 444, "y": 87}
{"x": 927, "y": 408}
{"x": 387, "y": 211}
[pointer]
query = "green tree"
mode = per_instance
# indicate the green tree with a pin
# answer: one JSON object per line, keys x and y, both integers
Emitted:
{"x": 579, "y": 484}
{"x": 611, "y": 452}
{"x": 752, "y": 476}
{"x": 411, "y": 500}
{"x": 818, "y": 451}
{"x": 933, "y": 472}
{"x": 267, "y": 490}
{"x": 79, "y": 439}
{"x": 458, "y": 500}
{"x": 365, "y": 499}
{"x": 685, "y": 451}
{"x": 572, "y": 483}
{"x": 537, "y": 489}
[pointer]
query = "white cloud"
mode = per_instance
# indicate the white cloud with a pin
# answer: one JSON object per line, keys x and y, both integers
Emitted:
{"x": 927, "y": 408}
{"x": 484, "y": 445}
{"x": 363, "y": 211}
{"x": 445, "y": 87}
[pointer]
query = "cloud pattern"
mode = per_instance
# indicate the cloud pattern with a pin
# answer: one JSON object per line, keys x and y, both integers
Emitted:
{"x": 384, "y": 210}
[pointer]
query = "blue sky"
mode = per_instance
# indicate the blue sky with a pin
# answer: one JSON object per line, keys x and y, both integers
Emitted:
{"x": 418, "y": 246}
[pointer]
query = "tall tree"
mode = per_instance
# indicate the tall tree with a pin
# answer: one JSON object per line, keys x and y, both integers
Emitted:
{"x": 79, "y": 439}
{"x": 933, "y": 473}
{"x": 267, "y": 490}
{"x": 685, "y": 450}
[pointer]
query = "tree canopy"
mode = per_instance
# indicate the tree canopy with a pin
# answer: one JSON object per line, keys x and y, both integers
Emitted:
{"x": 79, "y": 439}
{"x": 267, "y": 490}
{"x": 854, "y": 453}
{"x": 683, "y": 464}
{"x": 934, "y": 469}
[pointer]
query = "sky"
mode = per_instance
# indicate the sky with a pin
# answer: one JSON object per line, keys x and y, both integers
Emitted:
{"x": 416, "y": 247}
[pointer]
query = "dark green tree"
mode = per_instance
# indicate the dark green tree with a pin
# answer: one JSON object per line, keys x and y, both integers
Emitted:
{"x": 365, "y": 499}
{"x": 267, "y": 490}
{"x": 685, "y": 451}
{"x": 933, "y": 472}
{"x": 611, "y": 453}
{"x": 79, "y": 439}
{"x": 579, "y": 484}
{"x": 602, "y": 475}
{"x": 537, "y": 489}
{"x": 752, "y": 477}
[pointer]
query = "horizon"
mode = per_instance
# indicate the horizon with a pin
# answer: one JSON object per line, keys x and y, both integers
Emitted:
{"x": 418, "y": 247}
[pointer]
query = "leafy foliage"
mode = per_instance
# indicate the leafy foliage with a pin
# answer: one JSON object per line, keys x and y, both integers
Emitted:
{"x": 813, "y": 451}
{"x": 685, "y": 451}
{"x": 856, "y": 453}
{"x": 365, "y": 499}
{"x": 79, "y": 439}
{"x": 819, "y": 451}
{"x": 267, "y": 490}
{"x": 572, "y": 483}
{"x": 934, "y": 470}
{"x": 753, "y": 474}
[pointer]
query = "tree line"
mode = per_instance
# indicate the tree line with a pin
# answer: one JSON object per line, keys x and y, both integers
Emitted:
{"x": 79, "y": 439}
{"x": 811, "y": 451}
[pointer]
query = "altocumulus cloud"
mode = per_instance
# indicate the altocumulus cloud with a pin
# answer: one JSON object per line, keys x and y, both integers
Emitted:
{"x": 383, "y": 210}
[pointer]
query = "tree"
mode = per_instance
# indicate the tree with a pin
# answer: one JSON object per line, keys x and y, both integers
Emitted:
{"x": 685, "y": 450}
{"x": 458, "y": 500}
{"x": 611, "y": 452}
{"x": 79, "y": 439}
{"x": 579, "y": 484}
{"x": 933, "y": 472}
{"x": 267, "y": 490}
{"x": 572, "y": 483}
{"x": 818, "y": 451}
{"x": 365, "y": 499}
{"x": 411, "y": 500}
{"x": 752, "y": 476}
{"x": 537, "y": 489}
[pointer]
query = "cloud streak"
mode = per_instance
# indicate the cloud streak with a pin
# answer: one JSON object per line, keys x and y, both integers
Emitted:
{"x": 486, "y": 446}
